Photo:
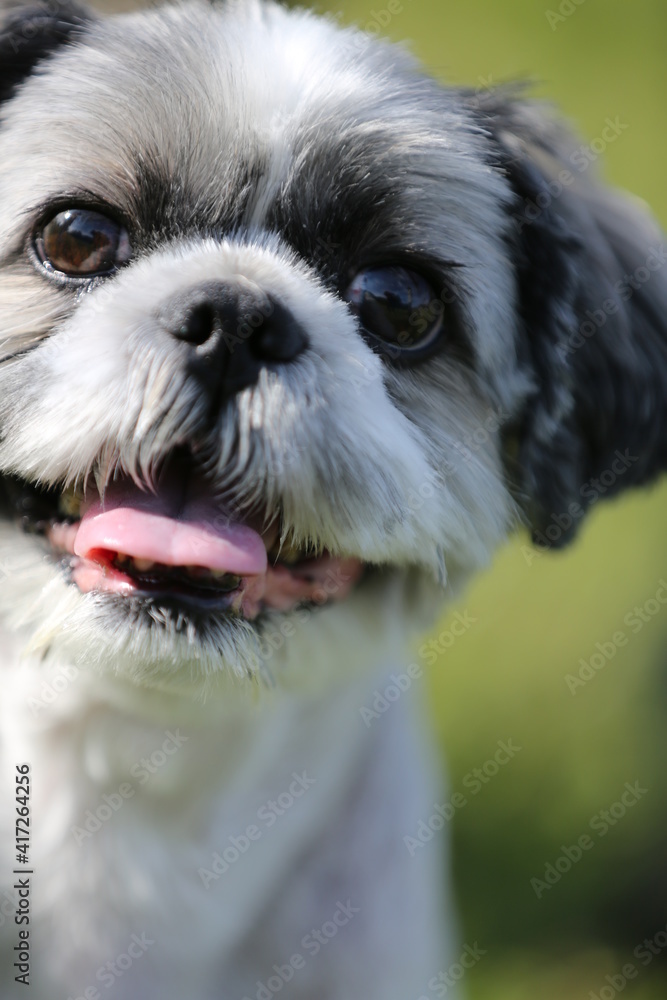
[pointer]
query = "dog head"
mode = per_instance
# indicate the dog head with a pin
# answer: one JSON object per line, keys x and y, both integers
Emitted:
{"x": 286, "y": 324}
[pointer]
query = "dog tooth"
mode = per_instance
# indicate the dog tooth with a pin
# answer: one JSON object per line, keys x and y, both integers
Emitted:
{"x": 143, "y": 565}
{"x": 100, "y": 480}
{"x": 69, "y": 503}
{"x": 229, "y": 580}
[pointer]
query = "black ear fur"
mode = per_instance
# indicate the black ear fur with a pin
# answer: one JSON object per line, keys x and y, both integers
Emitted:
{"x": 592, "y": 281}
{"x": 29, "y": 34}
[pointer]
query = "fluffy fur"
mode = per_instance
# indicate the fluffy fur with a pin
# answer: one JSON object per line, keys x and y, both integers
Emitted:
{"x": 248, "y": 145}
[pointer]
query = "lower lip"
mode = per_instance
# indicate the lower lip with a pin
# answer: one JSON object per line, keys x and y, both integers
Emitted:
{"x": 91, "y": 577}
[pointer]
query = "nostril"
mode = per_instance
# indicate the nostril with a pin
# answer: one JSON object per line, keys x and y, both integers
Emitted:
{"x": 279, "y": 338}
{"x": 267, "y": 343}
{"x": 198, "y": 326}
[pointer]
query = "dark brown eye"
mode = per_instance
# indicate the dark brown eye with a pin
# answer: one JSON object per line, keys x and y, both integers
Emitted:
{"x": 399, "y": 309}
{"x": 81, "y": 243}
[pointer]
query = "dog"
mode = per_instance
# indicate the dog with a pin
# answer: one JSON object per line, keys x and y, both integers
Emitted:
{"x": 261, "y": 279}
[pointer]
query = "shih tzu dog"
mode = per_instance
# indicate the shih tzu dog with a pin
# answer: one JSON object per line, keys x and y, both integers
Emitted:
{"x": 291, "y": 337}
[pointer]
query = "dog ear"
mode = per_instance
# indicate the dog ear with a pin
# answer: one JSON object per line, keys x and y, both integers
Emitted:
{"x": 29, "y": 34}
{"x": 592, "y": 288}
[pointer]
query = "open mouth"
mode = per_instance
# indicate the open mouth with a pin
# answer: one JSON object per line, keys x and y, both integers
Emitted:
{"x": 178, "y": 545}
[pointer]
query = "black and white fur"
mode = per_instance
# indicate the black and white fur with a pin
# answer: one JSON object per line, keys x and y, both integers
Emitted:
{"x": 247, "y": 142}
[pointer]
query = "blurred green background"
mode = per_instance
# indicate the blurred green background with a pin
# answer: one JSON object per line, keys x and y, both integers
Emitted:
{"x": 538, "y": 615}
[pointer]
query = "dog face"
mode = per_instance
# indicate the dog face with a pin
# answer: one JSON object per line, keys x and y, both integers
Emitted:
{"x": 279, "y": 331}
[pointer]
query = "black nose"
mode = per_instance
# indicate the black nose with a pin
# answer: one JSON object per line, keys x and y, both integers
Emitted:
{"x": 233, "y": 331}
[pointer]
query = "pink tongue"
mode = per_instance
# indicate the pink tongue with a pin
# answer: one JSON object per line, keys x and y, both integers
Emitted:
{"x": 134, "y": 525}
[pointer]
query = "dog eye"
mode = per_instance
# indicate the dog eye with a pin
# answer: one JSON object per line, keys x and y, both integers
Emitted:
{"x": 398, "y": 309}
{"x": 81, "y": 243}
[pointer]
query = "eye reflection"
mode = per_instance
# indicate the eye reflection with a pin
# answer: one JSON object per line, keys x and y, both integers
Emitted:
{"x": 80, "y": 242}
{"x": 398, "y": 308}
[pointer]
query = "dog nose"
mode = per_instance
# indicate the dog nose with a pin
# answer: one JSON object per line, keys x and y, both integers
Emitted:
{"x": 233, "y": 332}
